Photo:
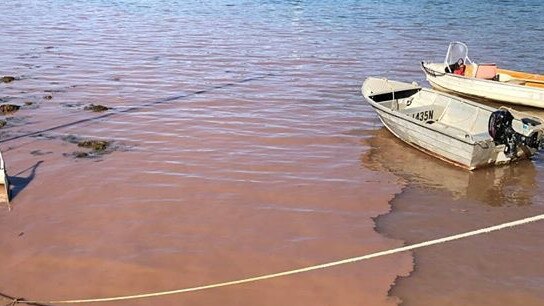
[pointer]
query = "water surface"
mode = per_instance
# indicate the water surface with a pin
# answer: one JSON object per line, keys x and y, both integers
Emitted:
{"x": 241, "y": 146}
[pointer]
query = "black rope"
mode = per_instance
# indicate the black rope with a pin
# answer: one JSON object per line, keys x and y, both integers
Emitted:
{"x": 432, "y": 72}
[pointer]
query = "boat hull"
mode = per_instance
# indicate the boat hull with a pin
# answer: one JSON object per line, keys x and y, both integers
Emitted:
{"x": 452, "y": 150}
{"x": 488, "y": 89}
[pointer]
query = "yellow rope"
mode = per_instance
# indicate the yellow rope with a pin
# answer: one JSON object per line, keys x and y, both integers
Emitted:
{"x": 301, "y": 270}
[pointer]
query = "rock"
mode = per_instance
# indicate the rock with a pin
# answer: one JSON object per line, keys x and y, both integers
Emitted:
{"x": 8, "y": 108}
{"x": 8, "y": 79}
{"x": 29, "y": 103}
{"x": 48, "y": 97}
{"x": 96, "y": 108}
{"x": 96, "y": 145}
{"x": 3, "y": 123}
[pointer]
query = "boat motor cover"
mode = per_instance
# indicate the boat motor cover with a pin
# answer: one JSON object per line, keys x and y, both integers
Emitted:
{"x": 499, "y": 122}
{"x": 513, "y": 132}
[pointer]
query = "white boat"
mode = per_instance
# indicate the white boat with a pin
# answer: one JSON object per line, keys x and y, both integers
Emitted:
{"x": 460, "y": 75}
{"x": 5, "y": 195}
{"x": 462, "y": 132}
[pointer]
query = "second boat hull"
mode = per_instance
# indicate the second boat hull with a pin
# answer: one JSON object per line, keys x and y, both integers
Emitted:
{"x": 488, "y": 89}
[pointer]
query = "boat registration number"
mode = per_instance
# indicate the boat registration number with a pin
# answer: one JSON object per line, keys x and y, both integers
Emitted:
{"x": 424, "y": 115}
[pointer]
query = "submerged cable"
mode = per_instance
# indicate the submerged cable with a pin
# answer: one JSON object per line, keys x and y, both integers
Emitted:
{"x": 135, "y": 108}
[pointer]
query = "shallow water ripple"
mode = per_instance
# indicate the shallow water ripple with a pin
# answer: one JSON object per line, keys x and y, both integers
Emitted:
{"x": 237, "y": 131}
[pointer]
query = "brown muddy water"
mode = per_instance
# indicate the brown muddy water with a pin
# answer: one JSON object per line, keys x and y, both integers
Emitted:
{"x": 239, "y": 145}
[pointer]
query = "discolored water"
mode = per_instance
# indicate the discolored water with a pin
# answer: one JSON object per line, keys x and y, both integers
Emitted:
{"x": 237, "y": 132}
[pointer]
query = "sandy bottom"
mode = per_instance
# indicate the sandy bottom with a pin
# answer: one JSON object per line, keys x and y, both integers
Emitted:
{"x": 183, "y": 202}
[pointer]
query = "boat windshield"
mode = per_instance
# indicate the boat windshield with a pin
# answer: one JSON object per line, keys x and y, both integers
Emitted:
{"x": 456, "y": 51}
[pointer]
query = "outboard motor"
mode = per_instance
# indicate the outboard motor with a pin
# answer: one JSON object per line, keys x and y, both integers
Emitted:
{"x": 514, "y": 133}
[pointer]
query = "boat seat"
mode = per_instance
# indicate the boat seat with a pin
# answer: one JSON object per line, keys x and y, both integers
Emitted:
{"x": 486, "y": 71}
{"x": 452, "y": 130}
{"x": 470, "y": 70}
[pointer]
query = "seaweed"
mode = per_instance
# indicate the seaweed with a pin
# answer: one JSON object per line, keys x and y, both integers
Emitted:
{"x": 96, "y": 108}
{"x": 8, "y": 79}
{"x": 9, "y": 108}
{"x": 96, "y": 145}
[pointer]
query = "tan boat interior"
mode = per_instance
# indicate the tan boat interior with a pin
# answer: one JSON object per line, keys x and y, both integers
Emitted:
{"x": 491, "y": 72}
{"x": 442, "y": 112}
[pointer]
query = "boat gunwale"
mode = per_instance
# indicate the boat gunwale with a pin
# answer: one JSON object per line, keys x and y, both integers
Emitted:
{"x": 432, "y": 153}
